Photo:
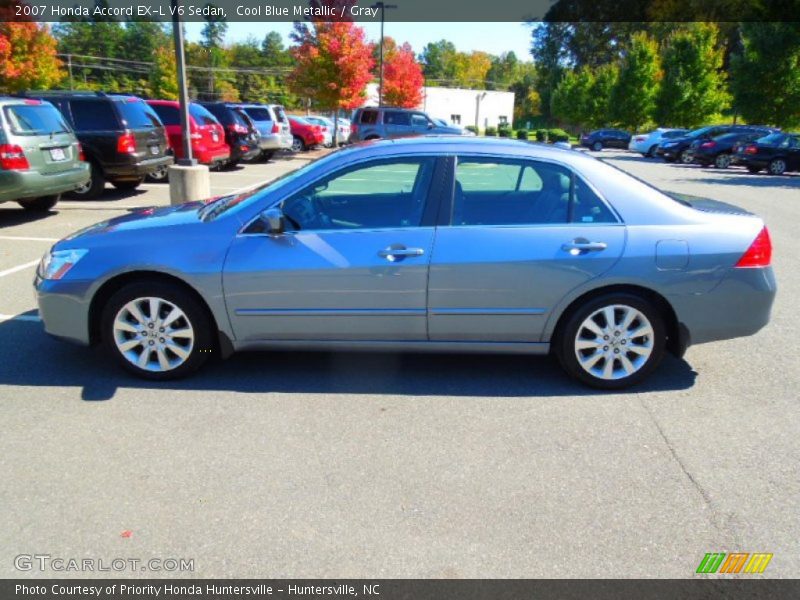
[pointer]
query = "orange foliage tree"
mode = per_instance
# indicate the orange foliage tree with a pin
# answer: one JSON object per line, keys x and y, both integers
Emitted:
{"x": 402, "y": 78}
{"x": 28, "y": 57}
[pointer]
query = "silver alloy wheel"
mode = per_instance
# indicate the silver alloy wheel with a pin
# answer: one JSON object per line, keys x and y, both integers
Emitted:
{"x": 159, "y": 174}
{"x": 686, "y": 157}
{"x": 597, "y": 146}
{"x": 723, "y": 161}
{"x": 297, "y": 144}
{"x": 84, "y": 188}
{"x": 614, "y": 342}
{"x": 777, "y": 166}
{"x": 153, "y": 334}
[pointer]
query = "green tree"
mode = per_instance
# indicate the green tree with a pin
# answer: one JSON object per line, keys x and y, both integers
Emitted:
{"x": 633, "y": 100}
{"x": 438, "y": 60}
{"x": 693, "y": 86}
{"x": 765, "y": 77}
{"x": 503, "y": 72}
{"x": 603, "y": 84}
{"x": 164, "y": 74}
{"x": 571, "y": 100}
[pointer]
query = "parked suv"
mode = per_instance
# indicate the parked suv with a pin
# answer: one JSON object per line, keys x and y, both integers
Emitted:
{"x": 271, "y": 136}
{"x": 606, "y": 138}
{"x": 206, "y": 134}
{"x": 40, "y": 158}
{"x": 375, "y": 122}
{"x": 122, "y": 138}
{"x": 240, "y": 131}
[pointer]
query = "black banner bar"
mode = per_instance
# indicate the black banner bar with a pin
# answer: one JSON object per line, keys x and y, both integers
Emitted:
{"x": 398, "y": 589}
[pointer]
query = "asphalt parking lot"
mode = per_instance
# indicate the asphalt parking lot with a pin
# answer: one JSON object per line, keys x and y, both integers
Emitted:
{"x": 386, "y": 465}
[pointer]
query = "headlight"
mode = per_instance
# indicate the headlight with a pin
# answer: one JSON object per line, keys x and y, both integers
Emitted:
{"x": 55, "y": 265}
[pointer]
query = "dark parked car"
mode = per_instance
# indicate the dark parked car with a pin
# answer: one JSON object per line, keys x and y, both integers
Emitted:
{"x": 719, "y": 151}
{"x": 606, "y": 138}
{"x": 375, "y": 122}
{"x": 39, "y": 155}
{"x": 122, "y": 137}
{"x": 240, "y": 131}
{"x": 680, "y": 149}
{"x": 777, "y": 152}
{"x": 272, "y": 134}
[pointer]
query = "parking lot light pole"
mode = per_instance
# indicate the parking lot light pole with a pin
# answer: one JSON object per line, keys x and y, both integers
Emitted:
{"x": 382, "y": 6}
{"x": 188, "y": 181}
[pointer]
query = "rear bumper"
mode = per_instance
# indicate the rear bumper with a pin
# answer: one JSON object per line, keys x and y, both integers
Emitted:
{"x": 64, "y": 309}
{"x": 739, "y": 306}
{"x": 20, "y": 185}
{"x": 271, "y": 141}
{"x": 137, "y": 169}
{"x": 212, "y": 157}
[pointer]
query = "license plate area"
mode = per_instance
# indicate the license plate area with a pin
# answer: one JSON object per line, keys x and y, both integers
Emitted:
{"x": 57, "y": 154}
{"x": 154, "y": 150}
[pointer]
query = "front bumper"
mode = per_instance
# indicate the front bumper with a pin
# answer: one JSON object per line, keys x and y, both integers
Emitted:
{"x": 64, "y": 308}
{"x": 21, "y": 185}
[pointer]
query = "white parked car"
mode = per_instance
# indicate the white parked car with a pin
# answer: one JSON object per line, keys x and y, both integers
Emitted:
{"x": 446, "y": 123}
{"x": 646, "y": 143}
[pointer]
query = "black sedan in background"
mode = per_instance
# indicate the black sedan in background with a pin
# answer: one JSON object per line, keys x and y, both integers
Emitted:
{"x": 777, "y": 153}
{"x": 606, "y": 138}
{"x": 680, "y": 149}
{"x": 719, "y": 151}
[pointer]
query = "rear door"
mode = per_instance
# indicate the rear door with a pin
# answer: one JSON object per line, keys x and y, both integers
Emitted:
{"x": 519, "y": 235}
{"x": 42, "y": 132}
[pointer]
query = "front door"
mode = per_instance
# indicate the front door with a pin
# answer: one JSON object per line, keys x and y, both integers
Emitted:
{"x": 352, "y": 264}
{"x": 522, "y": 234}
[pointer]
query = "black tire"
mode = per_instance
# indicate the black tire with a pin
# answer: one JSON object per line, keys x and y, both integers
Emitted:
{"x": 651, "y": 152}
{"x": 753, "y": 170}
{"x": 565, "y": 343}
{"x": 127, "y": 185}
{"x": 267, "y": 155}
{"x": 777, "y": 166}
{"x": 669, "y": 159}
{"x": 722, "y": 160}
{"x": 196, "y": 315}
{"x": 94, "y": 188}
{"x": 42, "y": 204}
{"x": 597, "y": 146}
{"x": 231, "y": 164}
{"x": 159, "y": 176}
{"x": 298, "y": 145}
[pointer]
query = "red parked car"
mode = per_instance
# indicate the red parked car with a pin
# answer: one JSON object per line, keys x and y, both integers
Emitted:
{"x": 206, "y": 133}
{"x": 305, "y": 134}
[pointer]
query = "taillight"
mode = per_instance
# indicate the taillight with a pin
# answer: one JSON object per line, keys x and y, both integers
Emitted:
{"x": 81, "y": 155}
{"x": 236, "y": 128}
{"x": 353, "y": 128}
{"x": 126, "y": 143}
{"x": 12, "y": 158}
{"x": 708, "y": 144}
{"x": 751, "y": 150}
{"x": 275, "y": 128}
{"x": 639, "y": 138}
{"x": 759, "y": 254}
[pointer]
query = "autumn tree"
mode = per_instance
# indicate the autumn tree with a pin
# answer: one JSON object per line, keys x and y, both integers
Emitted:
{"x": 402, "y": 78}
{"x": 634, "y": 96}
{"x": 27, "y": 57}
{"x": 164, "y": 74}
{"x": 333, "y": 65}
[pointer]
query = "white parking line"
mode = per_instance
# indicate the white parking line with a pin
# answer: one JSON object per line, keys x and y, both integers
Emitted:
{"x": 31, "y": 318}
{"x": 18, "y": 268}
{"x": 27, "y": 239}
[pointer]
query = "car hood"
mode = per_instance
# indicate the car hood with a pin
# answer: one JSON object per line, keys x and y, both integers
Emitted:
{"x": 137, "y": 220}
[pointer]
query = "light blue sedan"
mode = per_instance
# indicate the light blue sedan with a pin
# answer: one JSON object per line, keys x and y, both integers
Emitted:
{"x": 448, "y": 244}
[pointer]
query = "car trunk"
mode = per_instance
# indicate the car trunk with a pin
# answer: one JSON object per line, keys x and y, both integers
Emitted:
{"x": 40, "y": 130}
{"x": 140, "y": 121}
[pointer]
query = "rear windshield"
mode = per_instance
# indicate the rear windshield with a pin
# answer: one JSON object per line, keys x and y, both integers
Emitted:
{"x": 240, "y": 118}
{"x": 279, "y": 114}
{"x": 137, "y": 115}
{"x": 201, "y": 115}
{"x": 258, "y": 114}
{"x": 35, "y": 119}
{"x": 773, "y": 139}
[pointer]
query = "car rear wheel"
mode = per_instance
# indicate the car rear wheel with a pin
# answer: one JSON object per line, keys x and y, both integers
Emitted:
{"x": 92, "y": 188}
{"x": 686, "y": 157}
{"x": 651, "y": 152}
{"x": 597, "y": 146}
{"x": 298, "y": 145}
{"x": 777, "y": 166}
{"x": 41, "y": 204}
{"x": 723, "y": 161}
{"x": 267, "y": 155}
{"x": 127, "y": 185}
{"x": 160, "y": 175}
{"x": 156, "y": 330}
{"x": 612, "y": 341}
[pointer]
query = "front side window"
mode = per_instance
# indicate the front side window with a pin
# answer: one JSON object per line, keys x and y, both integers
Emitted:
{"x": 419, "y": 120}
{"x": 380, "y": 194}
{"x": 520, "y": 192}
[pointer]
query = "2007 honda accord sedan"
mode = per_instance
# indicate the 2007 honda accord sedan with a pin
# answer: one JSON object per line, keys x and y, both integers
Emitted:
{"x": 436, "y": 243}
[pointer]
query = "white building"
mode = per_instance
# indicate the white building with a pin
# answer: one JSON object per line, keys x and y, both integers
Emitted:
{"x": 480, "y": 108}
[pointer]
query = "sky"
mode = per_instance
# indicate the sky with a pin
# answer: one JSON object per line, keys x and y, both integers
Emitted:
{"x": 494, "y": 38}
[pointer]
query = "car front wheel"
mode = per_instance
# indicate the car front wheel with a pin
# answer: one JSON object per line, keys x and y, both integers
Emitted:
{"x": 612, "y": 341}
{"x": 723, "y": 161}
{"x": 156, "y": 330}
{"x": 597, "y": 146}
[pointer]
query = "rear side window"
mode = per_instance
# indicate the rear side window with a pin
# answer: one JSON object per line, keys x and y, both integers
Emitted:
{"x": 93, "y": 115}
{"x": 35, "y": 119}
{"x": 168, "y": 114}
{"x": 136, "y": 114}
{"x": 201, "y": 115}
{"x": 258, "y": 114}
{"x": 280, "y": 114}
{"x": 514, "y": 192}
{"x": 369, "y": 117}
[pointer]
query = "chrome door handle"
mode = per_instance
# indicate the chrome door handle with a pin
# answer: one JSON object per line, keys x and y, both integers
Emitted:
{"x": 581, "y": 246}
{"x": 393, "y": 253}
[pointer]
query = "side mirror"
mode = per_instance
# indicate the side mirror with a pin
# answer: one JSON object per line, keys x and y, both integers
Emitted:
{"x": 272, "y": 218}
{"x": 430, "y": 125}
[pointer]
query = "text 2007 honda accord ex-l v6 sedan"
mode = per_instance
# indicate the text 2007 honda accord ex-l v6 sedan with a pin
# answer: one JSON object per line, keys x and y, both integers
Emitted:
{"x": 450, "y": 244}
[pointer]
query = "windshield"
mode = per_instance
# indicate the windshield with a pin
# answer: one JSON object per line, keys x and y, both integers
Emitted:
{"x": 225, "y": 203}
{"x": 698, "y": 132}
{"x": 772, "y": 139}
{"x": 35, "y": 119}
